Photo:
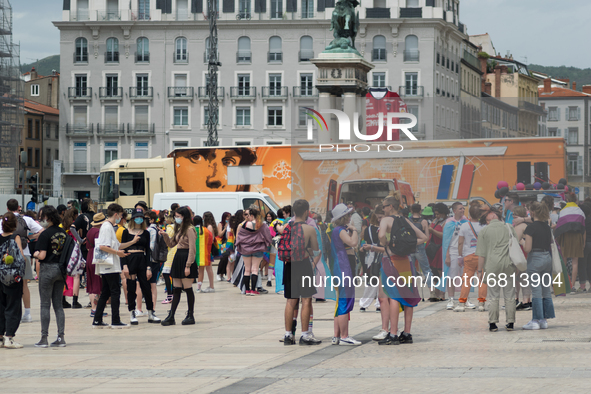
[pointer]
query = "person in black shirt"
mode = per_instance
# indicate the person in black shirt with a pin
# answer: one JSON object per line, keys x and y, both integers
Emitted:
{"x": 538, "y": 237}
{"x": 51, "y": 280}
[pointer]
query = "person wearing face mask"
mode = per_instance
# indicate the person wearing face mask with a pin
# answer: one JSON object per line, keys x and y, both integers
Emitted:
{"x": 137, "y": 265}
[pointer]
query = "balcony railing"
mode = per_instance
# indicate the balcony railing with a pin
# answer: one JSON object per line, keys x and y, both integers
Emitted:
{"x": 411, "y": 55}
{"x": 243, "y": 15}
{"x": 372, "y": 13}
{"x": 109, "y": 15}
{"x": 110, "y": 129}
{"x": 461, "y": 27}
{"x": 411, "y": 12}
{"x": 243, "y": 92}
{"x": 299, "y": 91}
{"x": 81, "y": 57}
{"x": 180, "y": 57}
{"x": 536, "y": 109}
{"x": 471, "y": 59}
{"x": 410, "y": 91}
{"x": 142, "y": 57}
{"x": 80, "y": 15}
{"x": 243, "y": 56}
{"x": 203, "y": 92}
{"x": 80, "y": 93}
{"x": 111, "y": 93}
{"x": 112, "y": 57}
{"x": 141, "y": 129}
{"x": 274, "y": 57}
{"x": 81, "y": 168}
{"x": 378, "y": 54}
{"x": 79, "y": 130}
{"x": 279, "y": 92}
{"x": 181, "y": 92}
{"x": 307, "y": 14}
{"x": 141, "y": 93}
{"x": 305, "y": 56}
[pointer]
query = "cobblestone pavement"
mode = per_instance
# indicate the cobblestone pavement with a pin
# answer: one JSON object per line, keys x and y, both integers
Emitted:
{"x": 234, "y": 348}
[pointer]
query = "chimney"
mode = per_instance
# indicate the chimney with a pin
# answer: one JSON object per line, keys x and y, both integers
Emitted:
{"x": 33, "y": 73}
{"x": 587, "y": 89}
{"x": 574, "y": 85}
{"x": 547, "y": 86}
{"x": 488, "y": 88}
{"x": 504, "y": 69}
{"x": 498, "y": 81}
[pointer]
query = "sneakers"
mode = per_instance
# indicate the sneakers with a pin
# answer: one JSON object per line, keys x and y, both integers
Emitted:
{"x": 527, "y": 307}
{"x": 88, "y": 306}
{"x": 289, "y": 340}
{"x": 219, "y": 278}
{"x": 99, "y": 325}
{"x": 390, "y": 340}
{"x": 77, "y": 305}
{"x": 405, "y": 337}
{"x": 492, "y": 327}
{"x": 160, "y": 282}
{"x": 189, "y": 320}
{"x": 349, "y": 342}
{"x": 470, "y": 305}
{"x": 260, "y": 290}
{"x": 208, "y": 290}
{"x": 309, "y": 340}
{"x": 167, "y": 300}
{"x": 10, "y": 343}
{"x": 461, "y": 307}
{"x": 378, "y": 310}
{"x": 450, "y": 304}
{"x": 362, "y": 309}
{"x": 199, "y": 284}
{"x": 139, "y": 313}
{"x": 481, "y": 307}
{"x": 381, "y": 335}
{"x": 59, "y": 342}
{"x": 543, "y": 324}
{"x": 93, "y": 312}
{"x": 509, "y": 326}
{"x": 132, "y": 318}
{"x": 335, "y": 340}
{"x": 169, "y": 321}
{"x": 119, "y": 325}
{"x": 42, "y": 342}
{"x": 152, "y": 318}
{"x": 269, "y": 284}
{"x": 520, "y": 306}
{"x": 27, "y": 318}
{"x": 532, "y": 325}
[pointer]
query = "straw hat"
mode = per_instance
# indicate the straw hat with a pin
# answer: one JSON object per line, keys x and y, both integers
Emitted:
{"x": 98, "y": 219}
{"x": 339, "y": 211}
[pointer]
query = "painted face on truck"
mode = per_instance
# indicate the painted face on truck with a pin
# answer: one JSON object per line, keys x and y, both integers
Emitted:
{"x": 206, "y": 169}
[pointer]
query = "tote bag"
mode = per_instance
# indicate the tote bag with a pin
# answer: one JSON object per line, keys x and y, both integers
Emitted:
{"x": 556, "y": 264}
{"x": 102, "y": 257}
{"x": 515, "y": 253}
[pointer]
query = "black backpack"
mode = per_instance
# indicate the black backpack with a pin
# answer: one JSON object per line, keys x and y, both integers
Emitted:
{"x": 66, "y": 254}
{"x": 22, "y": 230}
{"x": 160, "y": 252}
{"x": 403, "y": 239}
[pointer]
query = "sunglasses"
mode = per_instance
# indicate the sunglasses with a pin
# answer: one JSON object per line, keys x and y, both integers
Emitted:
{"x": 387, "y": 205}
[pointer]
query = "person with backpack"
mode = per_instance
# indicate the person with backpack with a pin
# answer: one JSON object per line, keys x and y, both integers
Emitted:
{"x": 93, "y": 279}
{"x": 467, "y": 241}
{"x": 28, "y": 230}
{"x": 420, "y": 255}
{"x": 373, "y": 260}
{"x": 12, "y": 269}
{"x": 205, "y": 264}
{"x": 158, "y": 252}
{"x": 403, "y": 241}
{"x": 82, "y": 224}
{"x": 298, "y": 243}
{"x": 51, "y": 278}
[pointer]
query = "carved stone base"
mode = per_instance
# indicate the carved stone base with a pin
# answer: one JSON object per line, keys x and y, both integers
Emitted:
{"x": 340, "y": 73}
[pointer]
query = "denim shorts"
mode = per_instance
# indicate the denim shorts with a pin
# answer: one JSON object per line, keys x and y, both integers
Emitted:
{"x": 255, "y": 254}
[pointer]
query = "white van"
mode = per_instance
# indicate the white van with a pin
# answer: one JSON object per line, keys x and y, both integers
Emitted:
{"x": 216, "y": 202}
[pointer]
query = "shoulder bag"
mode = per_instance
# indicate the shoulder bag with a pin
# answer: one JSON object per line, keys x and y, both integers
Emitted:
{"x": 515, "y": 253}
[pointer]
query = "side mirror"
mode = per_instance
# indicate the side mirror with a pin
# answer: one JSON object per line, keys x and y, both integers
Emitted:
{"x": 115, "y": 191}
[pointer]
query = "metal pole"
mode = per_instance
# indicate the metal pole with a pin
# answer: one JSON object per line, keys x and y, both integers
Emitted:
{"x": 212, "y": 83}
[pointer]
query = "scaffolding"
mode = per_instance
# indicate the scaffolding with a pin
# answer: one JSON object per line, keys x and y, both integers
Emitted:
{"x": 11, "y": 91}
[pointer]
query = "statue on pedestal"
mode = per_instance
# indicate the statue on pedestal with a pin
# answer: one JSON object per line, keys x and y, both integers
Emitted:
{"x": 344, "y": 24}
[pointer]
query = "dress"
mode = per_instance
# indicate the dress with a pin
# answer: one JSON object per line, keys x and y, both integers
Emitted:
{"x": 93, "y": 280}
{"x": 436, "y": 263}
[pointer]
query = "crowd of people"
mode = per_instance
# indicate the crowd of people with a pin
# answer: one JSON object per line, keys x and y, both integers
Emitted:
{"x": 308, "y": 257}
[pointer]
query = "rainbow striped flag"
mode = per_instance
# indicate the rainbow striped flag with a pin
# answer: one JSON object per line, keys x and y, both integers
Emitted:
{"x": 203, "y": 246}
{"x": 230, "y": 241}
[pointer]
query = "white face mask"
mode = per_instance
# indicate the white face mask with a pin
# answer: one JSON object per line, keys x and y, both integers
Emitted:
{"x": 44, "y": 223}
{"x": 178, "y": 220}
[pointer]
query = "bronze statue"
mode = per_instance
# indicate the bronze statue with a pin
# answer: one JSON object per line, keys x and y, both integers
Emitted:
{"x": 345, "y": 24}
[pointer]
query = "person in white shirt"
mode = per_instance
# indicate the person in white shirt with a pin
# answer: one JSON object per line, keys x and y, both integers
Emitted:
{"x": 110, "y": 273}
{"x": 31, "y": 232}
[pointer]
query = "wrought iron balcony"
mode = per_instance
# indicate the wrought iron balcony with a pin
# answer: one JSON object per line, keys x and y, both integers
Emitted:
{"x": 411, "y": 12}
{"x": 112, "y": 57}
{"x": 81, "y": 168}
{"x": 278, "y": 92}
{"x": 305, "y": 91}
{"x": 110, "y": 93}
{"x": 305, "y": 56}
{"x": 243, "y": 57}
{"x": 203, "y": 92}
{"x": 180, "y": 56}
{"x": 243, "y": 92}
{"x": 141, "y": 129}
{"x": 142, "y": 57}
{"x": 81, "y": 57}
{"x": 410, "y": 91}
{"x": 181, "y": 92}
{"x": 79, "y": 130}
{"x": 411, "y": 55}
{"x": 274, "y": 57}
{"x": 109, "y": 15}
{"x": 110, "y": 129}
{"x": 141, "y": 93}
{"x": 376, "y": 13}
{"x": 77, "y": 93}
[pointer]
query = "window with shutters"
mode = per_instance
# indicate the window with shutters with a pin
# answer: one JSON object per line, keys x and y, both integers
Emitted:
{"x": 80, "y": 156}
{"x": 553, "y": 132}
{"x": 553, "y": 114}
{"x": 143, "y": 11}
{"x": 275, "y": 116}
{"x": 112, "y": 54}
{"x": 276, "y": 9}
{"x": 573, "y": 113}
{"x": 307, "y": 9}
{"x": 379, "y": 79}
{"x": 242, "y": 116}
{"x": 111, "y": 152}
{"x": 572, "y": 136}
{"x": 244, "y": 55}
{"x": 143, "y": 50}
{"x": 275, "y": 50}
{"x": 181, "y": 55}
{"x": 34, "y": 90}
{"x": 81, "y": 53}
{"x": 306, "y": 49}
{"x": 574, "y": 164}
{"x": 379, "y": 48}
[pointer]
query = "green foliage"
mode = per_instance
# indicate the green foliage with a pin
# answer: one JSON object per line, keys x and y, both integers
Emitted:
{"x": 483, "y": 54}
{"x": 578, "y": 75}
{"x": 43, "y": 66}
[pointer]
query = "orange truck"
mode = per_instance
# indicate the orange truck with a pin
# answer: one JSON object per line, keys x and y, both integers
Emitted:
{"x": 424, "y": 171}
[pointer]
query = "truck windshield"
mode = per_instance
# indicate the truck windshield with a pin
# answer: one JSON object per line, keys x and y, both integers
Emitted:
{"x": 272, "y": 203}
{"x": 264, "y": 208}
{"x": 131, "y": 184}
{"x": 106, "y": 186}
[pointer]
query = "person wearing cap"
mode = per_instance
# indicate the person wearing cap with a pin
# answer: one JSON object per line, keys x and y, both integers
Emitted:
{"x": 137, "y": 265}
{"x": 141, "y": 205}
{"x": 344, "y": 239}
{"x": 94, "y": 283}
{"x": 427, "y": 214}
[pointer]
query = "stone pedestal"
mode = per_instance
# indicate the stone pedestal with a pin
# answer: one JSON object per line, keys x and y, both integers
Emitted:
{"x": 341, "y": 75}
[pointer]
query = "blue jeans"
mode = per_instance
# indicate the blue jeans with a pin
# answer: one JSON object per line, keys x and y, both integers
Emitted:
{"x": 421, "y": 256}
{"x": 540, "y": 264}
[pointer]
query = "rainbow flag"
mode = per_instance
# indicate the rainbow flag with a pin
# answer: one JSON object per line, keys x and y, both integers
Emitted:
{"x": 203, "y": 246}
{"x": 230, "y": 241}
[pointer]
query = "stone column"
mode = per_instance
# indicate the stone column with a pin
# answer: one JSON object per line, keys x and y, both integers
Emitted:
{"x": 325, "y": 101}
{"x": 350, "y": 107}
{"x": 331, "y": 120}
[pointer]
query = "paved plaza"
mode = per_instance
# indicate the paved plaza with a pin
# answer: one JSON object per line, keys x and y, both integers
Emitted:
{"x": 235, "y": 348}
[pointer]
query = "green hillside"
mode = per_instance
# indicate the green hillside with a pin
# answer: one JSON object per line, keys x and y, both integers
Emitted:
{"x": 43, "y": 66}
{"x": 578, "y": 75}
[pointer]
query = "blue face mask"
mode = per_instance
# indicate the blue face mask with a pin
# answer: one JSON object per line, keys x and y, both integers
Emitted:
{"x": 118, "y": 220}
{"x": 138, "y": 220}
{"x": 178, "y": 220}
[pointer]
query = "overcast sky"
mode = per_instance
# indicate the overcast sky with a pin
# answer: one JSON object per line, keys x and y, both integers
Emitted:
{"x": 545, "y": 32}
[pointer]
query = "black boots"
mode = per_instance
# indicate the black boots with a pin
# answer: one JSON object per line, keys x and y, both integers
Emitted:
{"x": 190, "y": 319}
{"x": 169, "y": 321}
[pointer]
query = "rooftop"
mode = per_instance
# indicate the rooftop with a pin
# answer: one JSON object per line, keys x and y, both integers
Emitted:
{"x": 560, "y": 92}
{"x": 40, "y": 108}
